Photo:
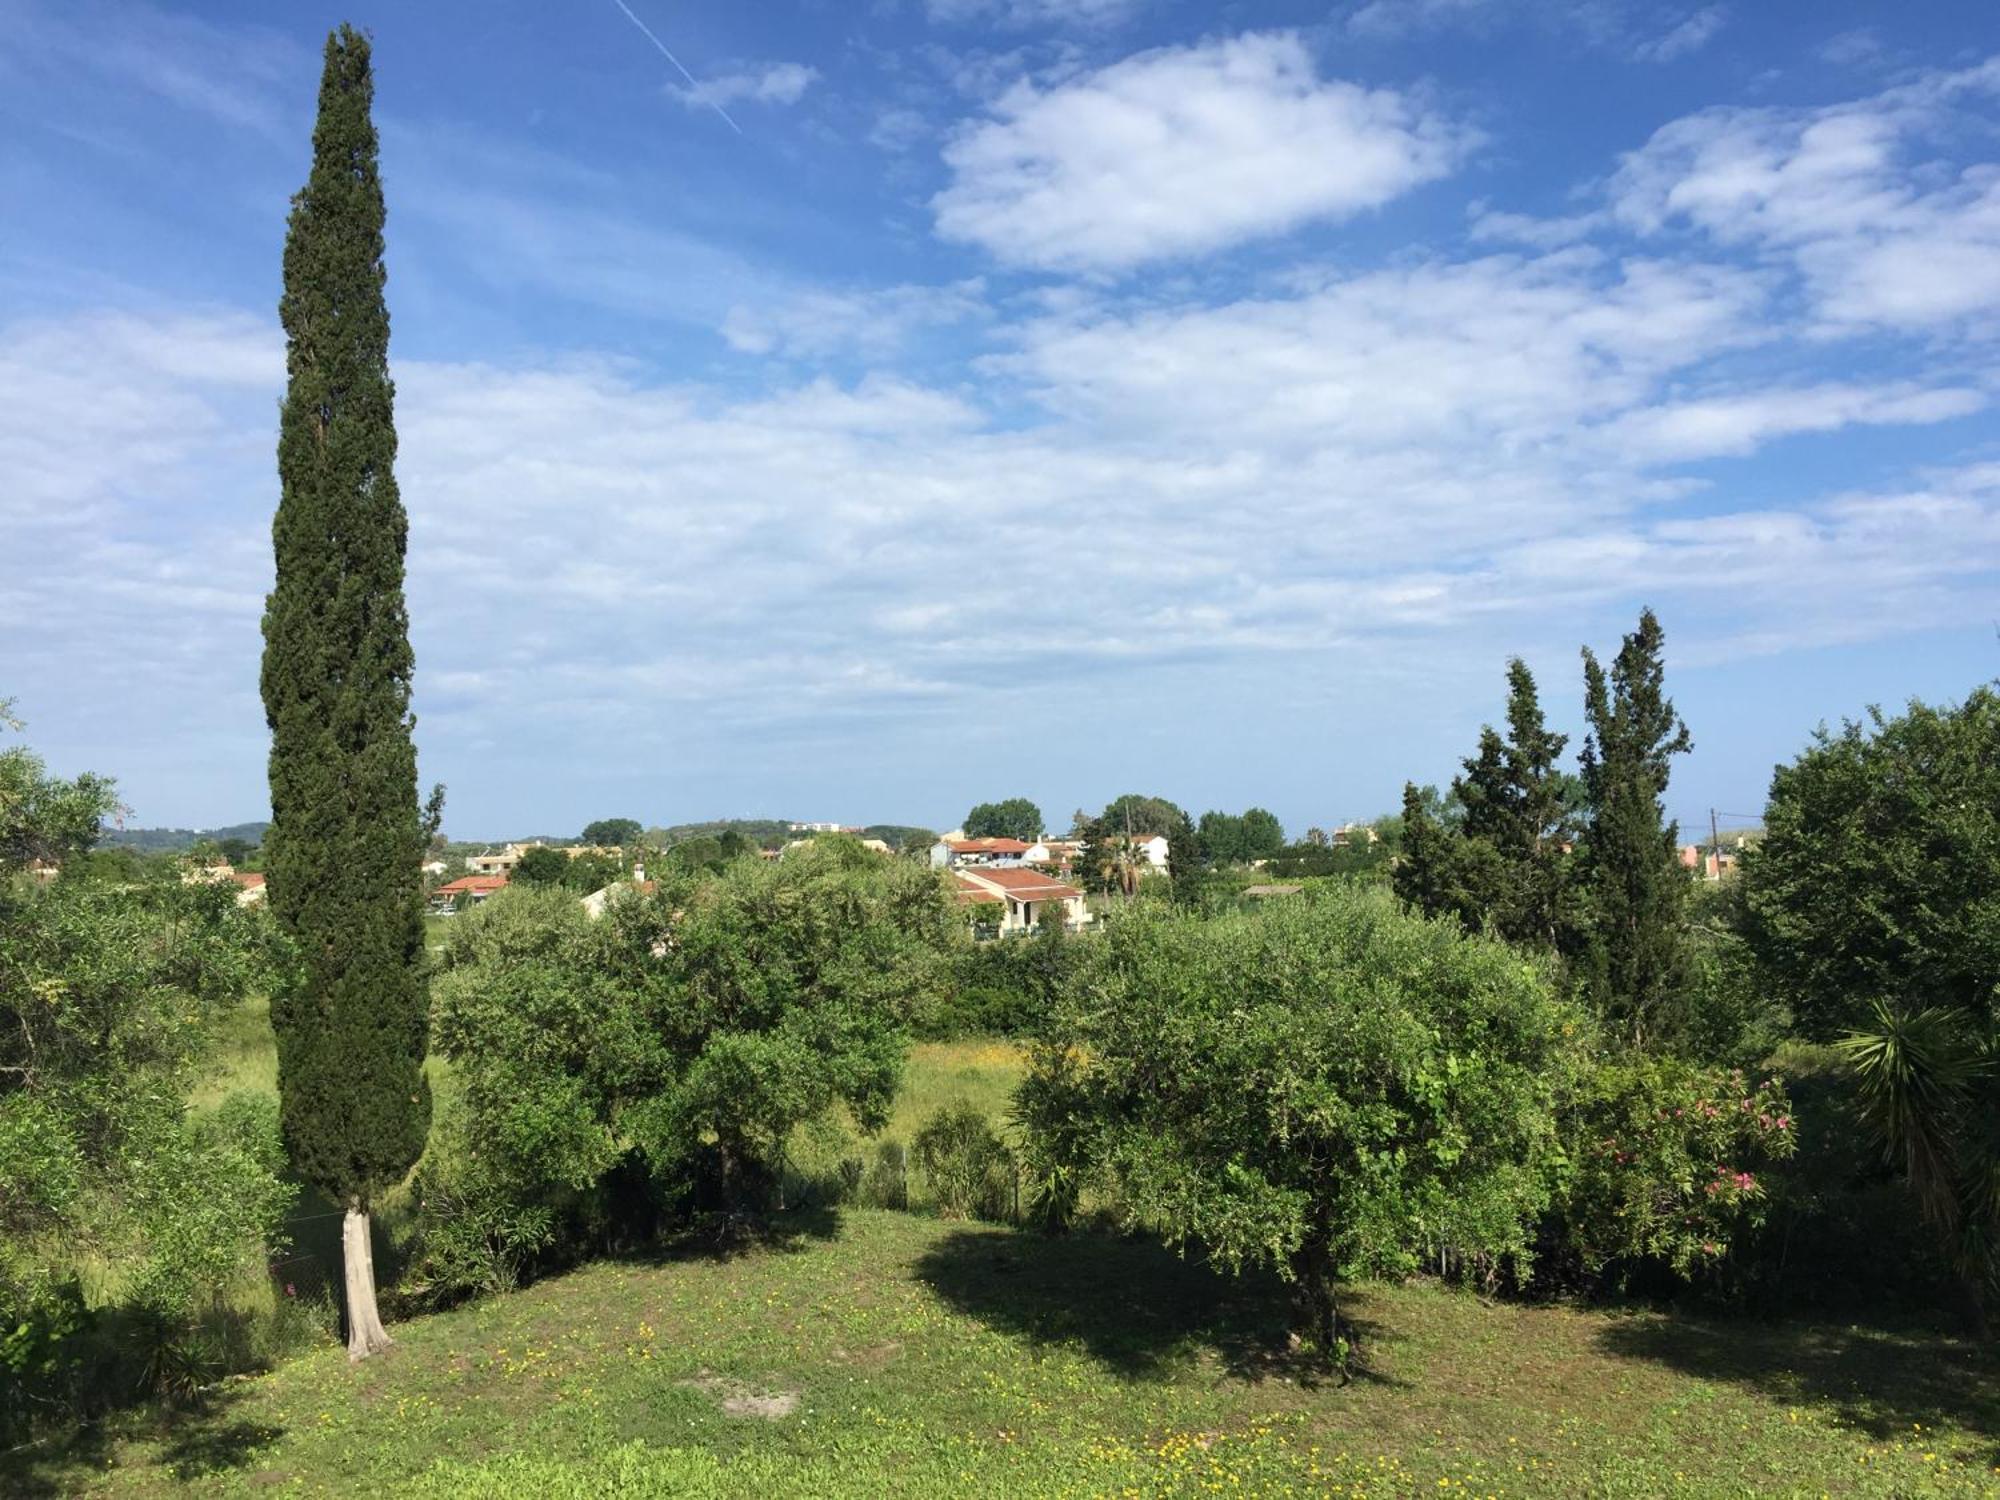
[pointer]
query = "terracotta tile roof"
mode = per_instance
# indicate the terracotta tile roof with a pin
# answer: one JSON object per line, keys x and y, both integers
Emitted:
{"x": 1022, "y": 885}
{"x": 987, "y": 846}
{"x": 466, "y": 883}
{"x": 249, "y": 879}
{"x": 971, "y": 894}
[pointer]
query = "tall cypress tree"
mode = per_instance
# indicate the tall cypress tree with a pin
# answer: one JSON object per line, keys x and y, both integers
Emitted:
{"x": 1633, "y": 889}
{"x": 346, "y": 838}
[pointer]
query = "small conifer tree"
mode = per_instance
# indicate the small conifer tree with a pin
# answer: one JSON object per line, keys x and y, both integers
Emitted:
{"x": 1631, "y": 941}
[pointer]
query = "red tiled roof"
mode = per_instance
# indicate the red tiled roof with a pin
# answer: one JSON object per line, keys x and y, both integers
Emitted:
{"x": 987, "y": 846}
{"x": 249, "y": 879}
{"x": 1022, "y": 885}
{"x": 466, "y": 883}
{"x": 970, "y": 894}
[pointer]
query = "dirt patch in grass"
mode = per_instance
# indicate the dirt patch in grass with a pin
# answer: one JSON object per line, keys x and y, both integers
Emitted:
{"x": 743, "y": 1401}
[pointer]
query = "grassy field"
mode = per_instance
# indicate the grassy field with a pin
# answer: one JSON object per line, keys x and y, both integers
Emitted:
{"x": 878, "y": 1353}
{"x": 871, "y": 1353}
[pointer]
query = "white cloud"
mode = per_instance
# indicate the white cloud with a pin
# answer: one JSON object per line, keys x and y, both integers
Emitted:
{"x": 1396, "y": 18}
{"x": 876, "y": 322}
{"x": 1032, "y": 12}
{"x": 898, "y": 129}
{"x": 1182, "y": 151}
{"x": 768, "y": 83}
{"x": 1501, "y": 349}
{"x": 1685, "y": 39}
{"x": 239, "y": 77}
{"x": 1737, "y": 424}
{"x": 1879, "y": 237}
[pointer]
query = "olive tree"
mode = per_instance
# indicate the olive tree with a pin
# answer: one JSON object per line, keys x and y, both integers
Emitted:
{"x": 1327, "y": 1086}
{"x": 107, "y": 989}
{"x": 688, "y": 1032}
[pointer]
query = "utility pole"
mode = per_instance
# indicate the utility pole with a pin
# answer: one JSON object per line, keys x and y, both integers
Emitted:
{"x": 1714, "y": 844}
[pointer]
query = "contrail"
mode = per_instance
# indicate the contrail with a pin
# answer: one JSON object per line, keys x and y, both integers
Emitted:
{"x": 675, "y": 61}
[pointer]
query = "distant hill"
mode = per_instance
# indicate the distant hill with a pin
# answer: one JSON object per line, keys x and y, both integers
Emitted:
{"x": 765, "y": 833}
{"x": 900, "y": 836}
{"x": 179, "y": 840}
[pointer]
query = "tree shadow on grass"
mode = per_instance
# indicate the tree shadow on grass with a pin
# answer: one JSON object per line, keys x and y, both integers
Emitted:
{"x": 1879, "y": 1380}
{"x": 206, "y": 1442}
{"x": 55, "y": 1466}
{"x": 1133, "y": 1305}
{"x": 195, "y": 1441}
{"x": 715, "y": 1236}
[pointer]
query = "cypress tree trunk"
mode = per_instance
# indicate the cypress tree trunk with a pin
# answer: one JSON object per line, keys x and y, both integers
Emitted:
{"x": 346, "y": 838}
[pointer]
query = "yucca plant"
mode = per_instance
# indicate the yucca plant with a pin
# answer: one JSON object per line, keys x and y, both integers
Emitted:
{"x": 1930, "y": 1087}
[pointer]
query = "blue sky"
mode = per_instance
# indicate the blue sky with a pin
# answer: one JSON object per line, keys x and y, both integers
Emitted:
{"x": 1044, "y": 397}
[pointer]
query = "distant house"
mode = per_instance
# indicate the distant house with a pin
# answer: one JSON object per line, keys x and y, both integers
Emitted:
{"x": 434, "y": 867}
{"x": 878, "y": 845}
{"x": 1059, "y": 853}
{"x": 820, "y": 828}
{"x": 250, "y": 887}
{"x": 958, "y": 853}
{"x": 501, "y": 863}
{"x": 467, "y": 890}
{"x": 1022, "y": 898}
{"x": 1712, "y": 865}
{"x": 598, "y": 902}
{"x": 1152, "y": 847}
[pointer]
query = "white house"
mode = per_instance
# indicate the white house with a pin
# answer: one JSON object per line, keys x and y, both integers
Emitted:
{"x": 1023, "y": 898}
{"x": 1154, "y": 849}
{"x": 599, "y": 901}
{"x": 497, "y": 864}
{"x": 958, "y": 853}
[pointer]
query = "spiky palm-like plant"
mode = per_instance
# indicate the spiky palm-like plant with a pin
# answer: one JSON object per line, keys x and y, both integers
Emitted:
{"x": 1930, "y": 1088}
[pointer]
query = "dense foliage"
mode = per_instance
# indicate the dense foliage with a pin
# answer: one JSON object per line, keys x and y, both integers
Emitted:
{"x": 106, "y": 992}
{"x": 1015, "y": 818}
{"x": 1239, "y": 838}
{"x": 1002, "y": 988}
{"x": 1878, "y": 876}
{"x": 1326, "y": 1085}
{"x": 1503, "y": 862}
{"x": 346, "y": 838}
{"x": 1873, "y": 908}
{"x": 613, "y": 833}
{"x": 1668, "y": 1164}
{"x": 667, "y": 1052}
{"x": 1631, "y": 947}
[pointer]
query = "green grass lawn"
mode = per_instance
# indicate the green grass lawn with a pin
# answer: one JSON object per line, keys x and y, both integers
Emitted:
{"x": 879, "y": 1353}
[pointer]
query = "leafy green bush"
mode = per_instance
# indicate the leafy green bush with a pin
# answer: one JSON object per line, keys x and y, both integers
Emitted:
{"x": 668, "y": 1051}
{"x": 1001, "y": 988}
{"x": 969, "y": 1169}
{"x": 1669, "y": 1166}
{"x": 1328, "y": 1085}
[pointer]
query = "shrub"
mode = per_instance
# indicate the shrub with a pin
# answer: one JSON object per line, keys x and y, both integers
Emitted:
{"x": 661, "y": 1059}
{"x": 887, "y": 1184}
{"x": 1328, "y": 1085}
{"x": 1669, "y": 1167}
{"x": 968, "y": 1167}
